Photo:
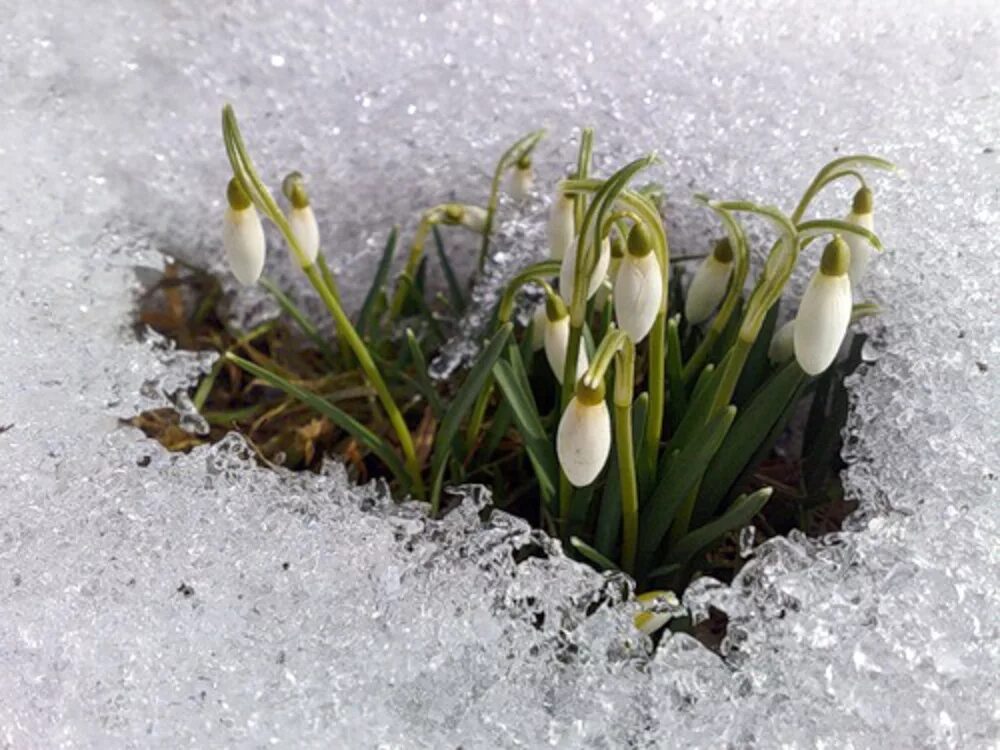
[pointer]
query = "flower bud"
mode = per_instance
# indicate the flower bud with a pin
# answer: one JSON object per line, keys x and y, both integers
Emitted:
{"x": 301, "y": 218}
{"x": 243, "y": 236}
{"x": 583, "y": 440}
{"x": 539, "y": 321}
{"x": 825, "y": 310}
{"x": 556, "y": 338}
{"x": 521, "y": 179}
{"x": 561, "y": 225}
{"x": 568, "y": 270}
{"x": 638, "y": 286}
{"x": 782, "y": 346}
{"x": 862, "y": 214}
{"x": 709, "y": 284}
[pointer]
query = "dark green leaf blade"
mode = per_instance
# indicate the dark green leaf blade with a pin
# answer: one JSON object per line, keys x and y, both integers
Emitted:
{"x": 367, "y": 314}
{"x": 743, "y": 509}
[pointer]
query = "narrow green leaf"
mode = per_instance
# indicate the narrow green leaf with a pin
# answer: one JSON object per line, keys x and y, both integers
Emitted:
{"x": 344, "y": 421}
{"x": 592, "y": 554}
{"x": 456, "y": 298}
{"x": 419, "y": 306}
{"x": 475, "y": 381}
{"x": 421, "y": 379}
{"x": 770, "y": 406}
{"x": 300, "y": 319}
{"x": 682, "y": 471}
{"x": 377, "y": 288}
{"x": 663, "y": 571}
{"x": 699, "y": 407}
{"x": 678, "y": 403}
{"x": 537, "y": 444}
{"x": 742, "y": 511}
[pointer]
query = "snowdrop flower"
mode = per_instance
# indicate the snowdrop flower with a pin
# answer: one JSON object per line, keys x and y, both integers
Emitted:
{"x": 556, "y": 338}
{"x": 301, "y": 218}
{"x": 583, "y": 441}
{"x": 782, "y": 346}
{"x": 862, "y": 214}
{"x": 709, "y": 284}
{"x": 638, "y": 286}
{"x": 539, "y": 321}
{"x": 825, "y": 310}
{"x": 521, "y": 179}
{"x": 561, "y": 223}
{"x": 568, "y": 269}
{"x": 243, "y": 236}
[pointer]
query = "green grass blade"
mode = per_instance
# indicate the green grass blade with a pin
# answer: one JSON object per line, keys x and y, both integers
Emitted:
{"x": 536, "y": 442}
{"x": 300, "y": 319}
{"x": 457, "y": 297}
{"x": 475, "y": 381}
{"x": 678, "y": 403}
{"x": 366, "y": 318}
{"x": 421, "y": 379}
{"x": 344, "y": 421}
{"x": 742, "y": 511}
{"x": 592, "y": 554}
{"x": 770, "y": 406}
{"x": 682, "y": 471}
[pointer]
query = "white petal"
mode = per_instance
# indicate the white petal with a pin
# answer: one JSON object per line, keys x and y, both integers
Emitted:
{"x": 568, "y": 269}
{"x": 638, "y": 293}
{"x": 519, "y": 183}
{"x": 782, "y": 346}
{"x": 474, "y": 218}
{"x": 243, "y": 242}
{"x": 560, "y": 226}
{"x": 583, "y": 441}
{"x": 824, "y": 314}
{"x": 556, "y": 344}
{"x": 306, "y": 231}
{"x": 861, "y": 250}
{"x": 539, "y": 321}
{"x": 707, "y": 289}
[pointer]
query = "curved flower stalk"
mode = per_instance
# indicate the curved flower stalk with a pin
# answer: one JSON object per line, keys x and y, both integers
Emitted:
{"x": 825, "y": 310}
{"x": 863, "y": 215}
{"x": 708, "y": 287}
{"x": 845, "y": 166}
{"x": 243, "y": 236}
{"x": 301, "y": 218}
{"x": 638, "y": 289}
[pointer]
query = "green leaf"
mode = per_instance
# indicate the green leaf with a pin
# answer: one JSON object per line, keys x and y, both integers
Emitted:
{"x": 757, "y": 366}
{"x": 742, "y": 511}
{"x": 677, "y": 405}
{"x": 682, "y": 471}
{"x": 457, "y": 298}
{"x": 769, "y": 407}
{"x": 592, "y": 554}
{"x": 377, "y": 288}
{"x": 344, "y": 421}
{"x": 699, "y": 407}
{"x": 421, "y": 379}
{"x": 609, "y": 519}
{"x": 475, "y": 381}
{"x": 419, "y": 306}
{"x": 300, "y": 319}
{"x": 537, "y": 444}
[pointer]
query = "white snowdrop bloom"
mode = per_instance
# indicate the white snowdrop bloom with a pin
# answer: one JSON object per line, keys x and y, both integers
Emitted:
{"x": 474, "y": 218}
{"x": 638, "y": 286}
{"x": 568, "y": 269}
{"x": 652, "y": 617}
{"x": 708, "y": 286}
{"x": 556, "y": 339}
{"x": 520, "y": 180}
{"x": 301, "y": 218}
{"x": 825, "y": 310}
{"x": 583, "y": 441}
{"x": 862, "y": 213}
{"x": 782, "y": 347}
{"x": 539, "y": 322}
{"x": 561, "y": 226}
{"x": 243, "y": 236}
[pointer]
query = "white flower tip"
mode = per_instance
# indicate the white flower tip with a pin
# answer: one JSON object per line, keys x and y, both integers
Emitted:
{"x": 244, "y": 244}
{"x": 560, "y": 226}
{"x": 638, "y": 293}
{"x": 707, "y": 289}
{"x": 520, "y": 181}
{"x": 306, "y": 231}
{"x": 782, "y": 346}
{"x": 583, "y": 441}
{"x": 822, "y": 320}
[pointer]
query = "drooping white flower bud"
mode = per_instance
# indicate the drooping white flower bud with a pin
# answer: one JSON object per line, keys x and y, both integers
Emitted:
{"x": 561, "y": 224}
{"x": 638, "y": 286}
{"x": 709, "y": 284}
{"x": 539, "y": 321}
{"x": 474, "y": 218}
{"x": 863, "y": 214}
{"x": 825, "y": 310}
{"x": 568, "y": 269}
{"x": 520, "y": 180}
{"x": 556, "y": 338}
{"x": 243, "y": 236}
{"x": 583, "y": 440}
{"x": 301, "y": 218}
{"x": 782, "y": 346}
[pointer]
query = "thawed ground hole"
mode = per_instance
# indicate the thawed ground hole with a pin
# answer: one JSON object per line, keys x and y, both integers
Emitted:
{"x": 144, "y": 595}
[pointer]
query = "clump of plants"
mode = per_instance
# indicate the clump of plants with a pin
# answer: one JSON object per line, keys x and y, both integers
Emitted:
{"x": 634, "y": 416}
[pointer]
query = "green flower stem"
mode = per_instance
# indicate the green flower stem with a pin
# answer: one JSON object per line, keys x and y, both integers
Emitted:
{"x": 624, "y": 383}
{"x": 836, "y": 169}
{"x": 427, "y": 223}
{"x": 582, "y": 173}
{"x": 656, "y": 387}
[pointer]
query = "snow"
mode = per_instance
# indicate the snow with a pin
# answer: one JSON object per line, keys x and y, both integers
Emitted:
{"x": 157, "y": 600}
